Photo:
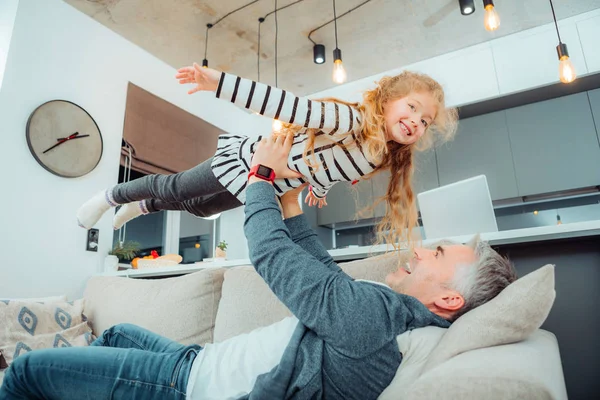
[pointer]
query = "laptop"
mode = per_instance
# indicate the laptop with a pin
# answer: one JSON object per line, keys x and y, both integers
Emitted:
{"x": 460, "y": 208}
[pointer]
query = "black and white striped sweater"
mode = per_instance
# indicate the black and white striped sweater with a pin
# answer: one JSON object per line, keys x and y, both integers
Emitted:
{"x": 231, "y": 163}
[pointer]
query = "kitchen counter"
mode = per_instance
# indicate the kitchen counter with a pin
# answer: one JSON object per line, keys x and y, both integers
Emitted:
{"x": 527, "y": 235}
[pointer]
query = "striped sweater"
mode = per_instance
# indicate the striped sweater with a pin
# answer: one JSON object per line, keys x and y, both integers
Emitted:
{"x": 231, "y": 163}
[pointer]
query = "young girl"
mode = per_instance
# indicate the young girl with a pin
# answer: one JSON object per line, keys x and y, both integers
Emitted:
{"x": 334, "y": 141}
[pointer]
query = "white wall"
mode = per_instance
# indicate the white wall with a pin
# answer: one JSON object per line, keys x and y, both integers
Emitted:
{"x": 510, "y": 64}
{"x": 56, "y": 52}
{"x": 8, "y": 12}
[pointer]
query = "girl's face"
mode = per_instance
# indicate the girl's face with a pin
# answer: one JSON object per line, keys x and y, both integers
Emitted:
{"x": 407, "y": 119}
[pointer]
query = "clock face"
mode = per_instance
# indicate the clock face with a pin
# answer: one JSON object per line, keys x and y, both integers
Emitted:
{"x": 64, "y": 139}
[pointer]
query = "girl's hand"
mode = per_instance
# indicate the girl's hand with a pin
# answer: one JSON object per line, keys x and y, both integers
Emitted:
{"x": 289, "y": 202}
{"x": 273, "y": 152}
{"x": 204, "y": 78}
{"x": 313, "y": 200}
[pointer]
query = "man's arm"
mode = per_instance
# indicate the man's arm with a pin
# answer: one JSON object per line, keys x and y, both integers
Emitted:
{"x": 356, "y": 317}
{"x": 301, "y": 232}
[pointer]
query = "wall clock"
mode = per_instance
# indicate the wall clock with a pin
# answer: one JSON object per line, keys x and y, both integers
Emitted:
{"x": 64, "y": 138}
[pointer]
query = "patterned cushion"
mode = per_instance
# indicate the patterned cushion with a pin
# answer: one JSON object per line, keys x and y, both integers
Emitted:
{"x": 32, "y": 325}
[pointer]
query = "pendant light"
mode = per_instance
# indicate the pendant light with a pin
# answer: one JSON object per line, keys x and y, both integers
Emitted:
{"x": 339, "y": 72}
{"x": 491, "y": 19}
{"x": 205, "y": 61}
{"x": 467, "y": 7}
{"x": 566, "y": 71}
{"x": 319, "y": 53}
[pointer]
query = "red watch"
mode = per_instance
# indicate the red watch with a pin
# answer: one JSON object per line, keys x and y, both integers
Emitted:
{"x": 262, "y": 172}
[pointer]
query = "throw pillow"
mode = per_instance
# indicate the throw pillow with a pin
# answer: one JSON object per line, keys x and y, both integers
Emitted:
{"x": 31, "y": 325}
{"x": 182, "y": 309}
{"x": 49, "y": 299}
{"x": 37, "y": 299}
{"x": 510, "y": 317}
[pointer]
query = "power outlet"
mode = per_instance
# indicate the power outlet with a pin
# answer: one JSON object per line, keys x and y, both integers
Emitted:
{"x": 92, "y": 240}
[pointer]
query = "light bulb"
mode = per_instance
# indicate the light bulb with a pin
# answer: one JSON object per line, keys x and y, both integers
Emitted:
{"x": 468, "y": 10}
{"x": 491, "y": 19}
{"x": 339, "y": 72}
{"x": 276, "y": 125}
{"x": 566, "y": 71}
{"x": 197, "y": 245}
{"x": 212, "y": 217}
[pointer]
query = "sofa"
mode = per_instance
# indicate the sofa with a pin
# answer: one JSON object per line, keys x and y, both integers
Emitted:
{"x": 496, "y": 351}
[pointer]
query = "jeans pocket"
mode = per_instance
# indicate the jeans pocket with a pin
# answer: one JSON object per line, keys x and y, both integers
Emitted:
{"x": 183, "y": 366}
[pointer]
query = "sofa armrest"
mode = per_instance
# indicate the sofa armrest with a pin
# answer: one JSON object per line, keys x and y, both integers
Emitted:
{"x": 530, "y": 369}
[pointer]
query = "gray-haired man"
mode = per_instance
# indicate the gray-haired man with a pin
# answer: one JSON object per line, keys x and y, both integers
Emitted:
{"x": 340, "y": 343}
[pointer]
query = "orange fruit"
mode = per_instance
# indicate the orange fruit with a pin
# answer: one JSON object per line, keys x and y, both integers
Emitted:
{"x": 134, "y": 263}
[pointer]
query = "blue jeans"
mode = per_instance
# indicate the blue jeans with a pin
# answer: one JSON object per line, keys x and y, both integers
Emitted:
{"x": 125, "y": 362}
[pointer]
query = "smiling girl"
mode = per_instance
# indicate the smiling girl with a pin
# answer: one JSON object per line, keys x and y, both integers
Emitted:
{"x": 334, "y": 141}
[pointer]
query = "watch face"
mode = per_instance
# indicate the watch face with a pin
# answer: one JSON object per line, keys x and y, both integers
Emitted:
{"x": 64, "y": 139}
{"x": 264, "y": 171}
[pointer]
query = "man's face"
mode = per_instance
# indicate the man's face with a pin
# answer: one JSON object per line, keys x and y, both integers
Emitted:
{"x": 430, "y": 269}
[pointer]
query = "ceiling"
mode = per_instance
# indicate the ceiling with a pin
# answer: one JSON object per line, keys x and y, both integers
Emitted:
{"x": 378, "y": 36}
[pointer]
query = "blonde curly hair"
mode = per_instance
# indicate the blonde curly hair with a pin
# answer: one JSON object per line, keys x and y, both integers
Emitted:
{"x": 400, "y": 218}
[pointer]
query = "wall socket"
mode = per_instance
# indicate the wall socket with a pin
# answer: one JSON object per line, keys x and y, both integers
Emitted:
{"x": 92, "y": 240}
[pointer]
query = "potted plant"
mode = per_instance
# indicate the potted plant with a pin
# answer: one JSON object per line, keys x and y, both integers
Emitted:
{"x": 220, "y": 250}
{"x": 125, "y": 251}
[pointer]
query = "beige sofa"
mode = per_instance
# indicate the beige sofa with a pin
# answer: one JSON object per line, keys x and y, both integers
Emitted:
{"x": 495, "y": 352}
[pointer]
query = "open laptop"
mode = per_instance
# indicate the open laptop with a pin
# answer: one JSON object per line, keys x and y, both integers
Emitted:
{"x": 460, "y": 208}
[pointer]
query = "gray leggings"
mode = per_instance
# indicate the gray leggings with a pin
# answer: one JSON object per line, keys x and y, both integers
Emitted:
{"x": 196, "y": 191}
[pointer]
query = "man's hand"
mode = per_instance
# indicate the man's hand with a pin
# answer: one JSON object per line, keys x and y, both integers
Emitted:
{"x": 204, "y": 78}
{"x": 273, "y": 152}
{"x": 289, "y": 202}
{"x": 313, "y": 200}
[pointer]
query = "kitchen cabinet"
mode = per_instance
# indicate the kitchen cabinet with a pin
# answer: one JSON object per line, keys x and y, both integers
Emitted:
{"x": 554, "y": 145}
{"x": 481, "y": 147}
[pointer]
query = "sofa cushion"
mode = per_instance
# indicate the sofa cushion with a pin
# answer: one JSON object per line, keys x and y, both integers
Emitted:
{"x": 529, "y": 369}
{"x": 181, "y": 308}
{"x": 513, "y": 315}
{"x": 415, "y": 345}
{"x": 29, "y": 326}
{"x": 247, "y": 302}
{"x": 36, "y": 299}
{"x": 48, "y": 299}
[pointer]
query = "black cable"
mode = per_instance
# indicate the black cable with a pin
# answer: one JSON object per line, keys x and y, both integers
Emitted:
{"x": 335, "y": 23}
{"x": 260, "y": 21}
{"x": 208, "y": 26}
{"x": 328, "y": 22}
{"x": 276, "y": 29}
{"x": 283, "y": 8}
{"x": 234, "y": 11}
{"x": 555, "y": 23}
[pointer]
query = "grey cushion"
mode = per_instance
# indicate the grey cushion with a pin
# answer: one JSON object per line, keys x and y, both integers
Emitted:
{"x": 181, "y": 308}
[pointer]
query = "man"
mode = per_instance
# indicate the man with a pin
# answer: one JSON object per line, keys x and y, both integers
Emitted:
{"x": 340, "y": 343}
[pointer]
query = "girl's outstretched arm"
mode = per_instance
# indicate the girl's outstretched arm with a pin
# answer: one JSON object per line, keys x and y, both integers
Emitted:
{"x": 270, "y": 101}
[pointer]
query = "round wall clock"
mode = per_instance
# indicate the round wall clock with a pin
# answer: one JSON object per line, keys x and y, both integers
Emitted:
{"x": 64, "y": 138}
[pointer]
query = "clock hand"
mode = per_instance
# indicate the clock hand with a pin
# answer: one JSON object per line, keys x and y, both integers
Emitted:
{"x": 76, "y": 137}
{"x": 72, "y": 136}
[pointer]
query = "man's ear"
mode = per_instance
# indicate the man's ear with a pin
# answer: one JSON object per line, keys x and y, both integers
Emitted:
{"x": 450, "y": 301}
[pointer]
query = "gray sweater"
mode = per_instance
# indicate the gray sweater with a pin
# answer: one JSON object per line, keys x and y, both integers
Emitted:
{"x": 345, "y": 344}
